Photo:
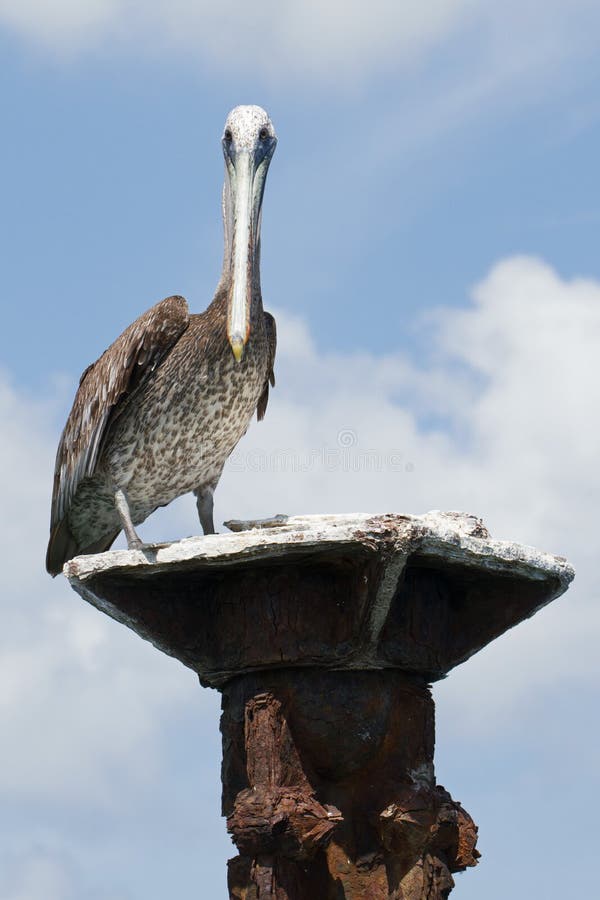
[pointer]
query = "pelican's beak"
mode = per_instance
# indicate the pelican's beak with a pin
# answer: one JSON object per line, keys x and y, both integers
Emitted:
{"x": 237, "y": 344}
{"x": 243, "y": 244}
{"x": 247, "y": 171}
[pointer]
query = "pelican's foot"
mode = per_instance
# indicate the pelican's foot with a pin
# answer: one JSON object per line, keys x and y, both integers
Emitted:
{"x": 137, "y": 544}
{"x": 247, "y": 524}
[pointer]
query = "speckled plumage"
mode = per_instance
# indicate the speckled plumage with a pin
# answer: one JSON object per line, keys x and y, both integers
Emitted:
{"x": 157, "y": 415}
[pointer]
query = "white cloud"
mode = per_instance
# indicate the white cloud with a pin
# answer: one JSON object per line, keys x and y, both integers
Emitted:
{"x": 268, "y": 36}
{"x": 60, "y": 23}
{"x": 341, "y": 42}
{"x": 502, "y": 424}
{"x": 505, "y": 401}
{"x": 500, "y": 421}
{"x": 37, "y": 875}
{"x": 510, "y": 433}
{"x": 61, "y": 664}
{"x": 44, "y": 871}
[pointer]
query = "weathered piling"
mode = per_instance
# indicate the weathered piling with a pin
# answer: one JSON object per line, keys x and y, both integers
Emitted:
{"x": 323, "y": 636}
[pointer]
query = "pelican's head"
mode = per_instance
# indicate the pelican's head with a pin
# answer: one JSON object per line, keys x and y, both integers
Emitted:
{"x": 248, "y": 144}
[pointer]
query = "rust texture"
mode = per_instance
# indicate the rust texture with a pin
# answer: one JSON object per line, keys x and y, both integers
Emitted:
{"x": 323, "y": 638}
{"x": 329, "y": 792}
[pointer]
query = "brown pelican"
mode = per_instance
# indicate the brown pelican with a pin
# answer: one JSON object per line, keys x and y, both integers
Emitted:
{"x": 160, "y": 411}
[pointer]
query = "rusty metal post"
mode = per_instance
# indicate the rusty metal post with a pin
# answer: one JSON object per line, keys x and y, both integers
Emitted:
{"x": 323, "y": 637}
{"x": 329, "y": 792}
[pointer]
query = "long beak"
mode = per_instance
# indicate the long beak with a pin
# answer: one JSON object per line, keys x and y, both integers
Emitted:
{"x": 245, "y": 224}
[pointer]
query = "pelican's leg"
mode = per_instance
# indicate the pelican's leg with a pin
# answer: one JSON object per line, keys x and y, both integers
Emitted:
{"x": 204, "y": 502}
{"x": 133, "y": 540}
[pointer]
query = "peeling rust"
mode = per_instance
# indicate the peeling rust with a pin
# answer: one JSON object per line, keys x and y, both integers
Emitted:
{"x": 318, "y": 791}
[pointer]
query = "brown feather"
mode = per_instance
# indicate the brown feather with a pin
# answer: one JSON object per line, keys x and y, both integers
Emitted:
{"x": 263, "y": 400}
{"x": 103, "y": 392}
{"x": 63, "y": 546}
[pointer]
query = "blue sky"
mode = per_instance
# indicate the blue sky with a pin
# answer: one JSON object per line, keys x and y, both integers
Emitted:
{"x": 112, "y": 176}
{"x": 430, "y": 250}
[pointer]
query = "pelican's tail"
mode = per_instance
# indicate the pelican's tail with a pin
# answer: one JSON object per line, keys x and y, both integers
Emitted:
{"x": 62, "y": 547}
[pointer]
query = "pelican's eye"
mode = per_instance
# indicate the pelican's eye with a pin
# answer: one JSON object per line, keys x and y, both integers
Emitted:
{"x": 228, "y": 137}
{"x": 263, "y": 134}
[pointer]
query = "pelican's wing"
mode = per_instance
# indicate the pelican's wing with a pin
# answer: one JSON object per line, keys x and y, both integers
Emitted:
{"x": 261, "y": 407}
{"x": 103, "y": 389}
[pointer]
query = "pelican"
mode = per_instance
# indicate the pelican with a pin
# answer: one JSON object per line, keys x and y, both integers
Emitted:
{"x": 158, "y": 414}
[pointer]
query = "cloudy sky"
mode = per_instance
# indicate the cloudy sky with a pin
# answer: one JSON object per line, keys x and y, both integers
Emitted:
{"x": 430, "y": 250}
